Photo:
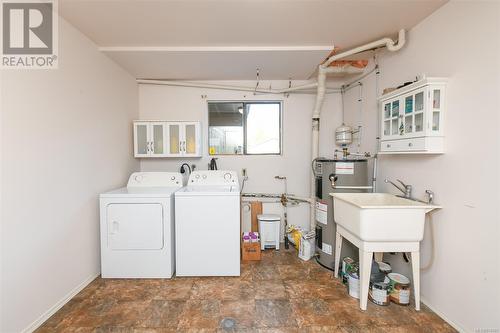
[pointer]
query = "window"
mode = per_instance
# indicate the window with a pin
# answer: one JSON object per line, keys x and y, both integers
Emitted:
{"x": 244, "y": 128}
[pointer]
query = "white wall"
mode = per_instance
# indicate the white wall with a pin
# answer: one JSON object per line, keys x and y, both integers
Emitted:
{"x": 179, "y": 103}
{"x": 66, "y": 137}
{"x": 459, "y": 41}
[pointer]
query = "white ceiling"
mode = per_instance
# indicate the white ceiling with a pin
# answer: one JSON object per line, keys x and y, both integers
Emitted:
{"x": 229, "y": 39}
{"x": 219, "y": 65}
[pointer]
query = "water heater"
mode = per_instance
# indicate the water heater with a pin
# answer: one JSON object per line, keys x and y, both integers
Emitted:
{"x": 340, "y": 176}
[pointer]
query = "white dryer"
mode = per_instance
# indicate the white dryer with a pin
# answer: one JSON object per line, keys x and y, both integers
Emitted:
{"x": 137, "y": 227}
{"x": 207, "y": 225}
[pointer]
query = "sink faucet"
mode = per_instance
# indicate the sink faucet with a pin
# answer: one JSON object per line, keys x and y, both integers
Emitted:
{"x": 406, "y": 189}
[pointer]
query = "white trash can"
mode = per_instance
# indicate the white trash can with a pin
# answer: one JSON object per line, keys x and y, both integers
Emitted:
{"x": 269, "y": 230}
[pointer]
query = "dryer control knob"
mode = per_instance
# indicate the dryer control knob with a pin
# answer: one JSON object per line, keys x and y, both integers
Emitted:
{"x": 227, "y": 176}
{"x": 138, "y": 178}
{"x": 173, "y": 178}
{"x": 197, "y": 176}
{"x": 204, "y": 176}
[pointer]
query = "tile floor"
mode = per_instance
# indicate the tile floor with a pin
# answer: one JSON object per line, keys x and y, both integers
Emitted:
{"x": 281, "y": 293}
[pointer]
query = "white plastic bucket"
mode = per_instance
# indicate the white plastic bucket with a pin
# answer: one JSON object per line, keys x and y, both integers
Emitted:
{"x": 306, "y": 248}
{"x": 353, "y": 284}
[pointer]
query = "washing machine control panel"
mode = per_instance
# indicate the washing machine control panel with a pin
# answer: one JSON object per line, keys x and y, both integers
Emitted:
{"x": 153, "y": 179}
{"x": 213, "y": 177}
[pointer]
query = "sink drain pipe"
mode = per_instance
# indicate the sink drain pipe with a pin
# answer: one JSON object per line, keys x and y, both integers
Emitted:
{"x": 323, "y": 71}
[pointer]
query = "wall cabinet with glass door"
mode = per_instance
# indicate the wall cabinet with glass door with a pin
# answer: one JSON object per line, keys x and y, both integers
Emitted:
{"x": 167, "y": 139}
{"x": 412, "y": 118}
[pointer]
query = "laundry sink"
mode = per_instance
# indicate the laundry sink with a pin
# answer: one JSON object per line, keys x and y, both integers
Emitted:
{"x": 381, "y": 217}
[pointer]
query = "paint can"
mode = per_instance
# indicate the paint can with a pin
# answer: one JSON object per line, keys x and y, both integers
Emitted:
{"x": 379, "y": 293}
{"x": 347, "y": 266}
{"x": 399, "y": 288}
{"x": 353, "y": 284}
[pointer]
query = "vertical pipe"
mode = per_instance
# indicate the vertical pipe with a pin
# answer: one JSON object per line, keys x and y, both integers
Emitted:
{"x": 379, "y": 124}
{"x": 315, "y": 139}
{"x": 360, "y": 116}
{"x": 379, "y": 127}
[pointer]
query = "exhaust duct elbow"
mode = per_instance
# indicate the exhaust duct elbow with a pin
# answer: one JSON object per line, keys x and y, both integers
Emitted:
{"x": 401, "y": 42}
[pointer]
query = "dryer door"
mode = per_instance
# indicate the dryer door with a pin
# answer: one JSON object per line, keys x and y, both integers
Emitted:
{"x": 135, "y": 226}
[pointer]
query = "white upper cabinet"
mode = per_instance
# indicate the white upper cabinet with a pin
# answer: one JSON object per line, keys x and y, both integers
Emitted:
{"x": 191, "y": 139}
{"x": 141, "y": 139}
{"x": 412, "y": 118}
{"x": 167, "y": 139}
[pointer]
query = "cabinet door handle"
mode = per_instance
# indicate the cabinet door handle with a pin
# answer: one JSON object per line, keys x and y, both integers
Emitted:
{"x": 115, "y": 227}
{"x": 410, "y": 144}
{"x": 152, "y": 147}
{"x": 148, "y": 149}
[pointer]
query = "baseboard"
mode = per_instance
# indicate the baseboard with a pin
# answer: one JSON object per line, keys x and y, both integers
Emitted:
{"x": 440, "y": 314}
{"x": 40, "y": 320}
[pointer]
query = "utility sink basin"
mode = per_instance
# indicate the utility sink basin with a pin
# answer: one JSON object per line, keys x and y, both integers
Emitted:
{"x": 381, "y": 217}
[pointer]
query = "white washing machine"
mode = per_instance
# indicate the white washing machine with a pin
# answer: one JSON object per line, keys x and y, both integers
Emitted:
{"x": 207, "y": 225}
{"x": 137, "y": 227}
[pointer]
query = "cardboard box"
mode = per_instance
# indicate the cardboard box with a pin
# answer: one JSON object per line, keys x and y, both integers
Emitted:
{"x": 250, "y": 251}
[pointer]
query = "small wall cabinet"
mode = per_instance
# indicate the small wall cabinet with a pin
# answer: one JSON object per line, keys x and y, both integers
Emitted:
{"x": 167, "y": 139}
{"x": 412, "y": 118}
